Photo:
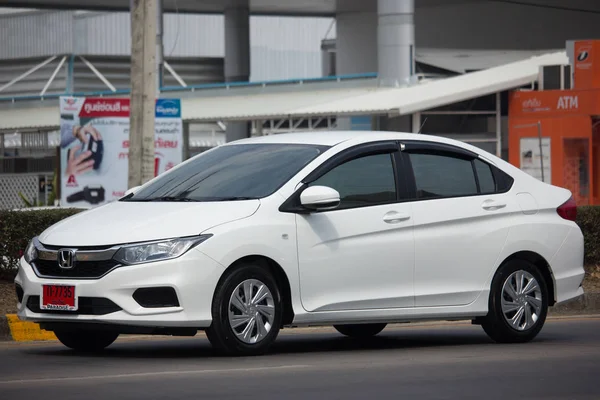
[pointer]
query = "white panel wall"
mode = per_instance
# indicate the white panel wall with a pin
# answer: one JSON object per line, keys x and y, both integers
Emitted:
{"x": 35, "y": 34}
{"x": 103, "y": 34}
{"x": 184, "y": 35}
{"x": 281, "y": 47}
{"x": 199, "y": 35}
{"x": 287, "y": 47}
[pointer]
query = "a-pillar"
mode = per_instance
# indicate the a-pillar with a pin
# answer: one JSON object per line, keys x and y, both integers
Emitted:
{"x": 237, "y": 57}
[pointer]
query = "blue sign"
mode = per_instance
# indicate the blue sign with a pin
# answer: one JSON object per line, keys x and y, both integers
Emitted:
{"x": 168, "y": 108}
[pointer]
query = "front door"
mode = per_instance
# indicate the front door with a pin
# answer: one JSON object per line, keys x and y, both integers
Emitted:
{"x": 361, "y": 255}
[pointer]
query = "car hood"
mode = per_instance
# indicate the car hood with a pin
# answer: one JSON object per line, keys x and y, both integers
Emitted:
{"x": 128, "y": 222}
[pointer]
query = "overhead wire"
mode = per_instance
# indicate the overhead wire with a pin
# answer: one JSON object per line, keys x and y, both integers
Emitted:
{"x": 546, "y": 6}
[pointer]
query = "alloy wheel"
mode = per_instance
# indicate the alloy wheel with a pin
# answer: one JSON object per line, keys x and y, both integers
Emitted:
{"x": 521, "y": 300}
{"x": 251, "y": 311}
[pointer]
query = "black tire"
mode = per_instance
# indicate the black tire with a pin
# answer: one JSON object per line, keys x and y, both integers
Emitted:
{"x": 360, "y": 331}
{"x": 495, "y": 324}
{"x": 86, "y": 340}
{"x": 221, "y": 334}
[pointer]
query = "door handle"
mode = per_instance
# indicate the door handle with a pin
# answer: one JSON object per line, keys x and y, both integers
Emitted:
{"x": 393, "y": 217}
{"x": 492, "y": 205}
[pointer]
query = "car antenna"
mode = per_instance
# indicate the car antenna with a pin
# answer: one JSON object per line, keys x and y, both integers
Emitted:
{"x": 423, "y": 124}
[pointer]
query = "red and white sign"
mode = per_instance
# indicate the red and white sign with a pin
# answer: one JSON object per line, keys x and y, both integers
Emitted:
{"x": 105, "y": 108}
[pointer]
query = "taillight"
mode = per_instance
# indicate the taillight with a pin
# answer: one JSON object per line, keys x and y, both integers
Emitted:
{"x": 568, "y": 210}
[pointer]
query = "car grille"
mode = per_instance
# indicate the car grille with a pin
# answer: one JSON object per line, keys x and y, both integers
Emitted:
{"x": 86, "y": 306}
{"x": 81, "y": 270}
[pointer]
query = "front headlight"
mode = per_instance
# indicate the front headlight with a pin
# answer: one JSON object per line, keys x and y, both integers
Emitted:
{"x": 30, "y": 252}
{"x": 157, "y": 251}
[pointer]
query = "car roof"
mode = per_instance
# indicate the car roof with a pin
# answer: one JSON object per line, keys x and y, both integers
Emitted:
{"x": 332, "y": 138}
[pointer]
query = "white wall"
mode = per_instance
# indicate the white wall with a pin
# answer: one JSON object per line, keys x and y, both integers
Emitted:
{"x": 281, "y": 47}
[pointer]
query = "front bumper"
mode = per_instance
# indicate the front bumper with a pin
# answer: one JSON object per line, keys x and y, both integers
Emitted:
{"x": 193, "y": 276}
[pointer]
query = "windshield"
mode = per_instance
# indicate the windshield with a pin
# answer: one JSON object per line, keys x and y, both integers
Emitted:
{"x": 234, "y": 172}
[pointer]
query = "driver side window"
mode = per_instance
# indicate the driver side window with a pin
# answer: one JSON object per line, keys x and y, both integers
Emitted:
{"x": 362, "y": 182}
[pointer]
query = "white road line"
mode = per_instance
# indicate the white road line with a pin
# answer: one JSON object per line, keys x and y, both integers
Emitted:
{"x": 150, "y": 374}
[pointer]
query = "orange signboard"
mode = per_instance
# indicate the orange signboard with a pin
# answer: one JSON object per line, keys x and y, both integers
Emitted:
{"x": 554, "y": 103}
{"x": 554, "y": 135}
{"x": 586, "y": 71}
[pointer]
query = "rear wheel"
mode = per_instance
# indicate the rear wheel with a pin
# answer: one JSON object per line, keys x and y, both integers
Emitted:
{"x": 247, "y": 312}
{"x": 518, "y": 303}
{"x": 86, "y": 340}
{"x": 360, "y": 331}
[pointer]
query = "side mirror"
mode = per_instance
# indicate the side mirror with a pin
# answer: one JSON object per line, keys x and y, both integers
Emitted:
{"x": 132, "y": 190}
{"x": 320, "y": 198}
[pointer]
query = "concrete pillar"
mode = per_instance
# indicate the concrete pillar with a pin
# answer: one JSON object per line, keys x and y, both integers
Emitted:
{"x": 395, "y": 41}
{"x": 237, "y": 57}
{"x": 356, "y": 34}
{"x": 355, "y": 38}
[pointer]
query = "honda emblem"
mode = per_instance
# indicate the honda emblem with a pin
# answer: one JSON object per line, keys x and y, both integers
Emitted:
{"x": 66, "y": 258}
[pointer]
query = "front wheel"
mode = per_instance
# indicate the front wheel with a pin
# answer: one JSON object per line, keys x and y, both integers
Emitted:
{"x": 518, "y": 303}
{"x": 247, "y": 312}
{"x": 360, "y": 331}
{"x": 86, "y": 340}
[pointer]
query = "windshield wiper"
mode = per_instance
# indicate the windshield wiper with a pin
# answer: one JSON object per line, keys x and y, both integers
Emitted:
{"x": 228, "y": 198}
{"x": 170, "y": 198}
{"x": 187, "y": 199}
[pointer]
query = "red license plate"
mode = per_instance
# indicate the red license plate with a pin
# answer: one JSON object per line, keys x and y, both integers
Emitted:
{"x": 58, "y": 297}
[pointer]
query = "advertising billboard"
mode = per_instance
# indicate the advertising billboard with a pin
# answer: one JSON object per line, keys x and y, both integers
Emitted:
{"x": 94, "y": 147}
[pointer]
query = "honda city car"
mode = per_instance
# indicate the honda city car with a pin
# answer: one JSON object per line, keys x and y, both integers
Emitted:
{"x": 351, "y": 229}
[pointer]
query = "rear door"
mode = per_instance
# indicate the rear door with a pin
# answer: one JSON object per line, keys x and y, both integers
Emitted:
{"x": 462, "y": 215}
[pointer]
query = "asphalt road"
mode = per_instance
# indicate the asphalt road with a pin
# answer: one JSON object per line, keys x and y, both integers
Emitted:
{"x": 432, "y": 362}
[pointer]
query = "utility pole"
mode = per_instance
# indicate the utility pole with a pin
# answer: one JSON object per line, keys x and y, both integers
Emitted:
{"x": 143, "y": 91}
{"x": 159, "y": 46}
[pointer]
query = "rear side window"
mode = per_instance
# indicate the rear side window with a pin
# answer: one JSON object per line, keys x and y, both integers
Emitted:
{"x": 439, "y": 176}
{"x": 442, "y": 175}
{"x": 487, "y": 183}
{"x": 503, "y": 181}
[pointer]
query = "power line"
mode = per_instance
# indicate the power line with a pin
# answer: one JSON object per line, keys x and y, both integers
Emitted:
{"x": 547, "y": 6}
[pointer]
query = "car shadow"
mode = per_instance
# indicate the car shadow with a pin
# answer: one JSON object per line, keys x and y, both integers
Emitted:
{"x": 287, "y": 344}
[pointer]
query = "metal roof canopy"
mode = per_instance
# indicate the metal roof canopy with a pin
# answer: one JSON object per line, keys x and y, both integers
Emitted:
{"x": 369, "y": 101}
{"x": 239, "y": 105}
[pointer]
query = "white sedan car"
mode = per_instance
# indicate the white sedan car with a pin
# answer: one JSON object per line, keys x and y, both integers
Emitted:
{"x": 350, "y": 229}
